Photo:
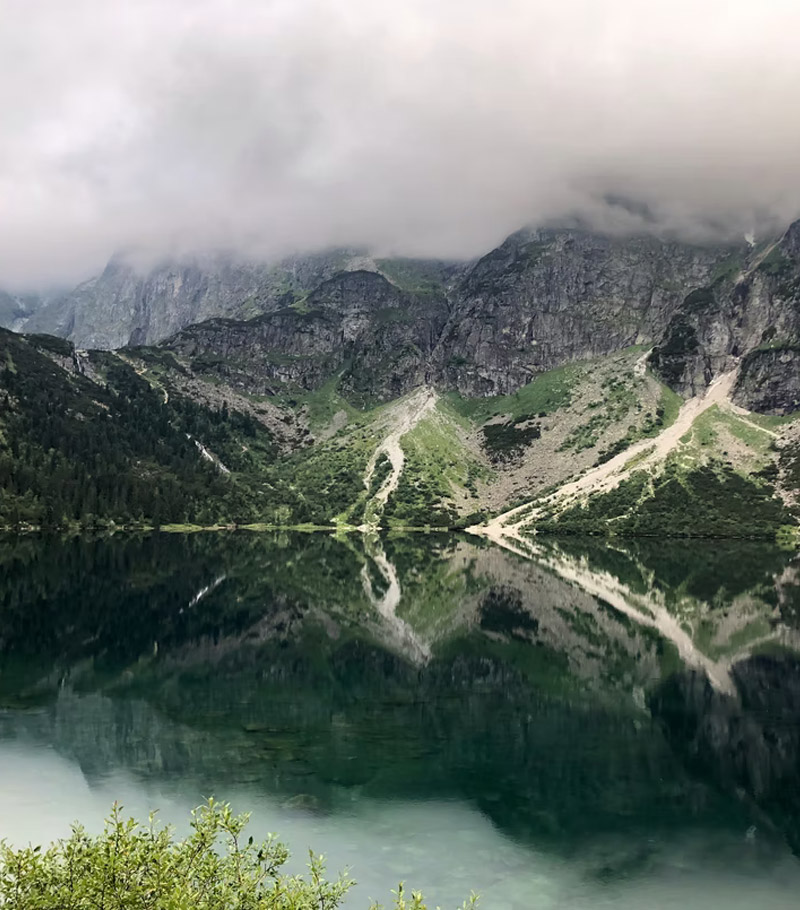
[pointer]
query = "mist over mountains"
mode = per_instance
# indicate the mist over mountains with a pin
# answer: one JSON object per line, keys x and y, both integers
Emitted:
{"x": 415, "y": 130}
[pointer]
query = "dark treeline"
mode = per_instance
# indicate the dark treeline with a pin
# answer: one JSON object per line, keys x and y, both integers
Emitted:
{"x": 74, "y": 450}
{"x": 92, "y": 450}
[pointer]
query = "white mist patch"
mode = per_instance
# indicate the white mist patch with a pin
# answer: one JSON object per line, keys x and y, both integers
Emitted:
{"x": 43, "y": 793}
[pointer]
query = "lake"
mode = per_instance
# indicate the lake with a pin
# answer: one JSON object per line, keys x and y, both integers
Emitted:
{"x": 604, "y": 724}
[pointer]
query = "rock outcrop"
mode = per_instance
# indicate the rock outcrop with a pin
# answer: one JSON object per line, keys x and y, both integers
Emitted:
{"x": 545, "y": 298}
{"x": 125, "y": 305}
{"x": 16, "y": 309}
{"x": 751, "y": 308}
{"x": 376, "y": 336}
{"x": 542, "y": 299}
{"x": 769, "y": 381}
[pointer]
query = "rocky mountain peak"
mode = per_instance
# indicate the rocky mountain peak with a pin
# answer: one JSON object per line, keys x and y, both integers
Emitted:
{"x": 791, "y": 239}
{"x": 543, "y": 298}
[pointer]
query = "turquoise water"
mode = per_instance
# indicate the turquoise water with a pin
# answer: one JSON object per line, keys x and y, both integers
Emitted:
{"x": 597, "y": 726}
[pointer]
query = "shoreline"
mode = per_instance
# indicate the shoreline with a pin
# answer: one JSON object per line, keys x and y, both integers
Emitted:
{"x": 790, "y": 535}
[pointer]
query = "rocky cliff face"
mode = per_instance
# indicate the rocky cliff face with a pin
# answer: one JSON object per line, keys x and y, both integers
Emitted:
{"x": 540, "y": 300}
{"x": 125, "y": 306}
{"x": 545, "y": 298}
{"x": 769, "y": 381}
{"x": 122, "y": 307}
{"x": 376, "y": 336}
{"x": 16, "y": 309}
{"x": 753, "y": 308}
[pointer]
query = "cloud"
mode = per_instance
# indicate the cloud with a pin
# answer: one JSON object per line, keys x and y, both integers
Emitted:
{"x": 417, "y": 127}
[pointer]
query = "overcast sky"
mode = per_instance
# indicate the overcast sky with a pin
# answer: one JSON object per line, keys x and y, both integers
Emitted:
{"x": 412, "y": 126}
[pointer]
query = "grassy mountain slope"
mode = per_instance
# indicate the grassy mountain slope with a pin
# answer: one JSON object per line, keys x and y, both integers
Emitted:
{"x": 718, "y": 471}
{"x": 146, "y": 436}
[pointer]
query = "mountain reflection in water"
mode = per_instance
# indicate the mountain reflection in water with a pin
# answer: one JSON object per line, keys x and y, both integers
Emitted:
{"x": 596, "y": 704}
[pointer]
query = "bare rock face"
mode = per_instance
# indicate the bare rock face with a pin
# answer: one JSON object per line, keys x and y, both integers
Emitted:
{"x": 769, "y": 381}
{"x": 751, "y": 310}
{"x": 121, "y": 306}
{"x": 699, "y": 341}
{"x": 545, "y": 298}
{"x": 16, "y": 309}
{"x": 542, "y": 299}
{"x": 376, "y": 336}
{"x": 125, "y": 305}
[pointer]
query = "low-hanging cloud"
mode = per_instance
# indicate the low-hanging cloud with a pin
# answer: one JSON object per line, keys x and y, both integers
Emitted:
{"x": 421, "y": 127}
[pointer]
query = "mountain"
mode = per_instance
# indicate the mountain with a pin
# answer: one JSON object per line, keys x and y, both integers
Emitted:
{"x": 566, "y": 382}
{"x": 84, "y": 439}
{"x": 377, "y": 338}
{"x": 542, "y": 299}
{"x": 16, "y": 310}
{"x": 527, "y": 306}
{"x": 750, "y": 311}
{"x": 127, "y": 304}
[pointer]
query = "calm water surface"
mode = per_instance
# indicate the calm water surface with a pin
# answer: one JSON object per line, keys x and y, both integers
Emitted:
{"x": 595, "y": 726}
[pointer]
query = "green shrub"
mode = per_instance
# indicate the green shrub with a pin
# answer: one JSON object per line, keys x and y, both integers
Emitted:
{"x": 59, "y": 346}
{"x": 705, "y": 502}
{"x": 137, "y": 867}
{"x": 504, "y": 441}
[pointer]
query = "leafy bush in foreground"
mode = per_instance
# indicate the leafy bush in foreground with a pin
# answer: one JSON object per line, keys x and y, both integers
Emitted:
{"x": 143, "y": 867}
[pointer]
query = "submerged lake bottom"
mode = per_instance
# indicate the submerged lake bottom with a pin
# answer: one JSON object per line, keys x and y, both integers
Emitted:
{"x": 603, "y": 724}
